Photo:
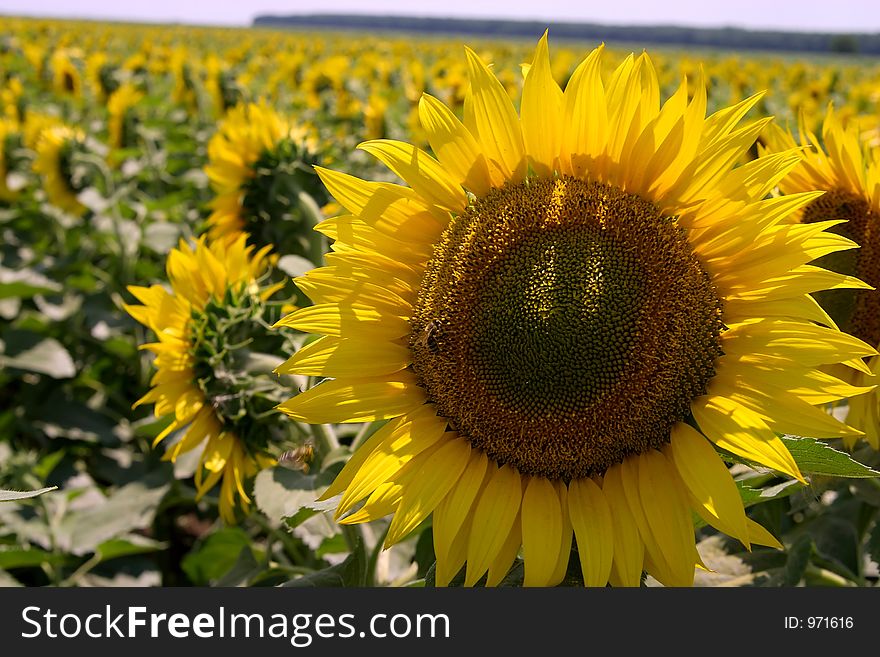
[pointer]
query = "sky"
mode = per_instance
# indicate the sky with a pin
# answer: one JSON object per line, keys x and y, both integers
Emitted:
{"x": 801, "y": 15}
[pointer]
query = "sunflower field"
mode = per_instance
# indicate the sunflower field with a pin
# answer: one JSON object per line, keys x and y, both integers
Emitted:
{"x": 328, "y": 309}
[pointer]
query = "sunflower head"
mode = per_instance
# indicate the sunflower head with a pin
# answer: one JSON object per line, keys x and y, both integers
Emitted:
{"x": 66, "y": 78}
{"x": 559, "y": 315}
{"x": 121, "y": 122}
{"x": 841, "y": 164}
{"x": 263, "y": 173}
{"x": 63, "y": 177}
{"x": 211, "y": 374}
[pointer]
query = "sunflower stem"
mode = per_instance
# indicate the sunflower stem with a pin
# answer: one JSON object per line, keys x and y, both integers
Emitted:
{"x": 825, "y": 577}
{"x": 325, "y": 440}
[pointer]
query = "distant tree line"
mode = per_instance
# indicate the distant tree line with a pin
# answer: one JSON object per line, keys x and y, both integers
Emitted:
{"x": 725, "y": 37}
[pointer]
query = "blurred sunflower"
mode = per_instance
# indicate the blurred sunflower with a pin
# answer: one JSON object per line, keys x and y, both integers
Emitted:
{"x": 66, "y": 78}
{"x": 119, "y": 106}
{"x": 55, "y": 146}
{"x": 215, "y": 291}
{"x": 850, "y": 207}
{"x": 259, "y": 166}
{"x": 8, "y": 132}
{"x": 559, "y": 316}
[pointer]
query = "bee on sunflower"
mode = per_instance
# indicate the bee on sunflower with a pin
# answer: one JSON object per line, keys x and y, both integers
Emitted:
{"x": 560, "y": 315}
{"x": 842, "y": 165}
{"x": 262, "y": 170}
{"x": 210, "y": 376}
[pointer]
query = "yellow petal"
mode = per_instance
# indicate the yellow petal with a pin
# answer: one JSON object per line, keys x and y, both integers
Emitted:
{"x": 451, "y": 519}
{"x": 629, "y": 550}
{"x": 541, "y": 531}
{"x": 494, "y": 514}
{"x": 359, "y": 400}
{"x": 593, "y": 528}
{"x": 585, "y": 123}
{"x": 347, "y": 320}
{"x": 426, "y": 489}
{"x": 708, "y": 480}
{"x": 741, "y": 431}
{"x": 668, "y": 516}
{"x": 393, "y": 210}
{"x": 541, "y": 111}
{"x": 402, "y": 443}
{"x": 492, "y": 119}
{"x": 454, "y": 145}
{"x": 760, "y": 536}
{"x": 423, "y": 173}
{"x": 500, "y": 565}
{"x": 344, "y": 357}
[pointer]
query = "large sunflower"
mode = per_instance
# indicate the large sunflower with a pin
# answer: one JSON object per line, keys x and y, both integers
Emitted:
{"x": 559, "y": 316}
{"x": 841, "y": 165}
{"x": 257, "y": 165}
{"x": 208, "y": 283}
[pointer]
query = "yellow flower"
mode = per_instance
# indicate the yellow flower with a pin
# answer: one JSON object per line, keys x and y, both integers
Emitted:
{"x": 202, "y": 279}
{"x": 256, "y": 163}
{"x": 850, "y": 206}
{"x": 54, "y": 148}
{"x": 118, "y": 106}
{"x": 66, "y": 78}
{"x": 560, "y": 315}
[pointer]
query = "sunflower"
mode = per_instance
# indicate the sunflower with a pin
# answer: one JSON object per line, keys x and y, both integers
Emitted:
{"x": 66, "y": 78}
{"x": 55, "y": 146}
{"x": 8, "y": 132}
{"x": 559, "y": 316}
{"x": 851, "y": 207}
{"x": 258, "y": 164}
{"x": 209, "y": 283}
{"x": 119, "y": 106}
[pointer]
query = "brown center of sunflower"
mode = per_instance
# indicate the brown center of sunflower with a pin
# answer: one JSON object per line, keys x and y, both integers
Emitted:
{"x": 564, "y": 325}
{"x": 857, "y": 311}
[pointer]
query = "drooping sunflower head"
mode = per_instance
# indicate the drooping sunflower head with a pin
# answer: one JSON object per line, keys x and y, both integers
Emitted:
{"x": 261, "y": 168}
{"x": 66, "y": 78}
{"x": 841, "y": 165}
{"x": 211, "y": 329}
{"x": 121, "y": 122}
{"x": 56, "y": 147}
{"x": 559, "y": 315}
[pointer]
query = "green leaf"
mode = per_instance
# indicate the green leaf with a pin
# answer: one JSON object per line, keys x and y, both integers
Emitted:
{"x": 129, "y": 508}
{"x": 816, "y": 457}
{"x": 798, "y": 560}
{"x": 127, "y": 546}
{"x": 751, "y": 496}
{"x": 12, "y": 556}
{"x": 873, "y": 545}
{"x": 349, "y": 573}
{"x": 10, "y": 495}
{"x": 46, "y": 357}
{"x": 25, "y": 283}
{"x": 282, "y": 493}
{"x": 216, "y": 556}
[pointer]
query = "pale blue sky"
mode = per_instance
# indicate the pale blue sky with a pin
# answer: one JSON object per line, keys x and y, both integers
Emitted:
{"x": 822, "y": 15}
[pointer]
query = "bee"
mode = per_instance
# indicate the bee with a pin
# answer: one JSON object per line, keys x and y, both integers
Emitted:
{"x": 428, "y": 337}
{"x": 299, "y": 458}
